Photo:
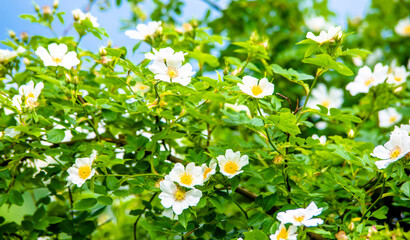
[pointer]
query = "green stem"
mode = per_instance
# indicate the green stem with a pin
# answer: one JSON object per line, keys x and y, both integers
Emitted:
{"x": 129, "y": 176}
{"x": 377, "y": 200}
{"x": 265, "y": 128}
{"x": 139, "y": 216}
{"x": 356, "y": 130}
{"x": 318, "y": 73}
{"x": 239, "y": 206}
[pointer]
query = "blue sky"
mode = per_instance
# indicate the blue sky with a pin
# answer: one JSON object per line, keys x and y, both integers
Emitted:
{"x": 111, "y": 20}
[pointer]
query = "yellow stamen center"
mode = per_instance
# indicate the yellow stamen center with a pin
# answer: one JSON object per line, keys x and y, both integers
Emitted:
{"x": 395, "y": 152}
{"x": 57, "y": 60}
{"x": 186, "y": 179}
{"x": 299, "y": 218}
{"x": 407, "y": 30}
{"x": 231, "y": 167}
{"x": 172, "y": 72}
{"x": 256, "y": 90}
{"x": 283, "y": 234}
{"x": 84, "y": 171}
{"x": 30, "y": 100}
{"x": 369, "y": 81}
{"x": 325, "y": 103}
{"x": 397, "y": 79}
{"x": 179, "y": 195}
{"x": 207, "y": 170}
{"x": 393, "y": 119}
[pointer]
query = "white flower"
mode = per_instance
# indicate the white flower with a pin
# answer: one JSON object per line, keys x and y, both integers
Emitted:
{"x": 255, "y": 88}
{"x": 357, "y": 61}
{"x": 329, "y": 99}
{"x": 397, "y": 147}
{"x": 11, "y": 132}
{"x": 285, "y": 234}
{"x": 403, "y": 27}
{"x": 366, "y": 79}
{"x": 301, "y": 216}
{"x": 317, "y": 23}
{"x": 231, "y": 164}
{"x": 30, "y": 95}
{"x": 388, "y": 117}
{"x": 187, "y": 177}
{"x": 140, "y": 87}
{"x": 6, "y": 55}
{"x": 144, "y": 30}
{"x": 207, "y": 172}
{"x": 81, "y": 16}
{"x": 398, "y": 75}
{"x": 322, "y": 139}
{"x": 330, "y": 35}
{"x": 405, "y": 127}
{"x": 321, "y": 125}
{"x": 171, "y": 70}
{"x": 81, "y": 170}
{"x": 164, "y": 54}
{"x": 57, "y": 56}
{"x": 177, "y": 198}
{"x": 239, "y": 108}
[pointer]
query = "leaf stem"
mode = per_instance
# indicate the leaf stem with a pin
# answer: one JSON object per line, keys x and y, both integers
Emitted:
{"x": 265, "y": 128}
{"x": 377, "y": 200}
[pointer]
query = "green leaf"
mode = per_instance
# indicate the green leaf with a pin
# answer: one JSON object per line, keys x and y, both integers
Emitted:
{"x": 49, "y": 79}
{"x": 287, "y": 123}
{"x": 183, "y": 218}
{"x": 112, "y": 183}
{"x": 116, "y": 52}
{"x": 55, "y": 135}
{"x": 269, "y": 201}
{"x": 325, "y": 61}
{"x": 105, "y": 200}
{"x": 380, "y": 213}
{"x": 256, "y": 219}
{"x": 85, "y": 204}
{"x": 255, "y": 235}
{"x": 39, "y": 214}
{"x": 405, "y": 188}
{"x": 257, "y": 122}
{"x": 16, "y": 198}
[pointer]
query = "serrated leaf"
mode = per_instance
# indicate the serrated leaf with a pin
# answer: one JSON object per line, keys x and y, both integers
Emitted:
{"x": 55, "y": 135}
{"x": 255, "y": 235}
{"x": 85, "y": 204}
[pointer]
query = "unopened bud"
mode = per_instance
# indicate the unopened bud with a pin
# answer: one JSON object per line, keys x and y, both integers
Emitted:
{"x": 351, "y": 226}
{"x": 341, "y": 236}
{"x": 67, "y": 78}
{"x": 75, "y": 80}
{"x": 371, "y": 230}
{"x": 46, "y": 10}
{"x": 56, "y": 3}
{"x": 278, "y": 159}
{"x": 37, "y": 8}
{"x": 102, "y": 51}
{"x": 76, "y": 16}
{"x": 194, "y": 23}
{"x": 187, "y": 27}
{"x": 234, "y": 72}
{"x": 397, "y": 90}
{"x": 12, "y": 34}
{"x": 109, "y": 44}
{"x": 351, "y": 133}
{"x": 24, "y": 36}
{"x": 26, "y": 61}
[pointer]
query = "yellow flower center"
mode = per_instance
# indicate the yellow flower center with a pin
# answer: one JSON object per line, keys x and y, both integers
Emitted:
{"x": 325, "y": 103}
{"x": 283, "y": 234}
{"x": 186, "y": 179}
{"x": 395, "y": 152}
{"x": 392, "y": 119}
{"x": 231, "y": 167}
{"x": 179, "y": 195}
{"x": 143, "y": 87}
{"x": 207, "y": 170}
{"x": 299, "y": 218}
{"x": 84, "y": 171}
{"x": 57, "y": 60}
{"x": 30, "y": 100}
{"x": 369, "y": 81}
{"x": 406, "y": 30}
{"x": 256, "y": 90}
{"x": 172, "y": 72}
{"x": 397, "y": 79}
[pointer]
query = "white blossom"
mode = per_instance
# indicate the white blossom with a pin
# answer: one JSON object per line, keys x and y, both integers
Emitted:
{"x": 302, "y": 216}
{"x": 403, "y": 27}
{"x": 144, "y": 30}
{"x": 255, "y": 88}
{"x": 7, "y": 55}
{"x": 177, "y": 198}
{"x": 317, "y": 23}
{"x": 332, "y": 34}
{"x": 140, "y": 87}
{"x": 57, "y": 56}
{"x": 165, "y": 53}
{"x": 322, "y": 139}
{"x": 398, "y": 75}
{"x": 388, "y": 117}
{"x": 208, "y": 171}
{"x": 188, "y": 177}
{"x": 285, "y": 234}
{"x": 231, "y": 163}
{"x": 397, "y": 147}
{"x": 405, "y": 127}
{"x": 329, "y": 99}
{"x": 80, "y": 16}
{"x": 81, "y": 170}
{"x": 366, "y": 79}
{"x": 29, "y": 94}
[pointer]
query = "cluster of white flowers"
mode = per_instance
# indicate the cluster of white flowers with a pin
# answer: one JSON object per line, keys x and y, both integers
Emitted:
{"x": 145, "y": 30}
{"x": 28, "y": 96}
{"x": 167, "y": 66}
{"x": 366, "y": 79}
{"x": 397, "y": 147}
{"x": 256, "y": 88}
{"x": 7, "y": 55}
{"x": 178, "y": 187}
{"x": 332, "y": 34}
{"x": 398, "y": 75}
{"x": 329, "y": 99}
{"x": 81, "y": 170}
{"x": 403, "y": 27}
{"x": 80, "y": 16}
{"x": 388, "y": 117}
{"x": 297, "y": 217}
{"x": 57, "y": 56}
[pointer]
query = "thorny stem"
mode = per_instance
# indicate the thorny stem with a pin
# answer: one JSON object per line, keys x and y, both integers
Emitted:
{"x": 71, "y": 202}
{"x": 139, "y": 216}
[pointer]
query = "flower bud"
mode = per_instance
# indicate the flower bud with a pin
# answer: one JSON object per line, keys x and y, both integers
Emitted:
{"x": 76, "y": 16}
{"x": 351, "y": 133}
{"x": 12, "y": 34}
{"x": 67, "y": 78}
{"x": 278, "y": 159}
{"x": 37, "y": 8}
{"x": 102, "y": 51}
{"x": 187, "y": 27}
{"x": 24, "y": 36}
{"x": 351, "y": 226}
{"x": 46, "y": 10}
{"x": 75, "y": 80}
{"x": 26, "y": 61}
{"x": 341, "y": 236}
{"x": 56, "y": 3}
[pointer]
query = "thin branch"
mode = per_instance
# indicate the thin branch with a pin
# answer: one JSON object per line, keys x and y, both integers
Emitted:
{"x": 212, "y": 5}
